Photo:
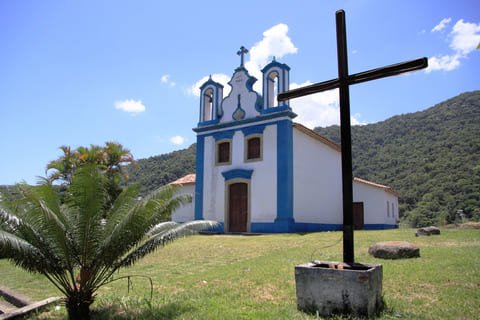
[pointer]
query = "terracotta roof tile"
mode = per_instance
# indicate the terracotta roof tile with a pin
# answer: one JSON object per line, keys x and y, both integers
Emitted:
{"x": 188, "y": 179}
{"x": 373, "y": 184}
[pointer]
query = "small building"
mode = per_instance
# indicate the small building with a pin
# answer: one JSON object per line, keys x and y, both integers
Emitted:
{"x": 258, "y": 171}
{"x": 185, "y": 212}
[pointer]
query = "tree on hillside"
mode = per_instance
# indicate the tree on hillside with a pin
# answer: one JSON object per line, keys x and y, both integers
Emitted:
{"x": 112, "y": 158}
{"x": 78, "y": 243}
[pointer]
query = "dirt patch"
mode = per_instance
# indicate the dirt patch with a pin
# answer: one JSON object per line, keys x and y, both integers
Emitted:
{"x": 266, "y": 293}
{"x": 466, "y": 225}
{"x": 470, "y": 225}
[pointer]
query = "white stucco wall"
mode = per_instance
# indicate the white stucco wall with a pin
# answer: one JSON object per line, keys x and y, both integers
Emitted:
{"x": 263, "y": 193}
{"x": 317, "y": 181}
{"x": 375, "y": 201}
{"x": 185, "y": 212}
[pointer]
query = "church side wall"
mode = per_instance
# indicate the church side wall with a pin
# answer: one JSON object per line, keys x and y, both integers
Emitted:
{"x": 317, "y": 183}
{"x": 263, "y": 193}
{"x": 185, "y": 212}
{"x": 377, "y": 205}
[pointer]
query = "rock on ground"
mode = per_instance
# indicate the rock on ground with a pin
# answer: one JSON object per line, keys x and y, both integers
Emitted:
{"x": 394, "y": 250}
{"x": 427, "y": 231}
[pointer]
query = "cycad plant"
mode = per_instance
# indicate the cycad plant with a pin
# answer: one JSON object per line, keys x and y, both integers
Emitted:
{"x": 79, "y": 243}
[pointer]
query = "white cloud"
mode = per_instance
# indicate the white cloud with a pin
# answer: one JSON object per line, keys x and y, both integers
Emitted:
{"x": 275, "y": 43}
{"x": 465, "y": 37}
{"x": 221, "y": 78}
{"x": 130, "y": 106}
{"x": 441, "y": 25}
{"x": 445, "y": 63}
{"x": 166, "y": 80}
{"x": 319, "y": 110}
{"x": 177, "y": 140}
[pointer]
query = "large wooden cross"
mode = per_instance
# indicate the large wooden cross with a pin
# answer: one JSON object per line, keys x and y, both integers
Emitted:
{"x": 343, "y": 82}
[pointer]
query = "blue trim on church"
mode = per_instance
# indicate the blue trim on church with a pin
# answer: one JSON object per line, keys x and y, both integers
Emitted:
{"x": 265, "y": 227}
{"x": 258, "y": 129}
{"x": 275, "y": 109}
{"x": 273, "y": 115}
{"x": 199, "y": 177}
{"x": 237, "y": 173}
{"x": 222, "y": 135}
{"x": 284, "y": 221}
{"x": 300, "y": 227}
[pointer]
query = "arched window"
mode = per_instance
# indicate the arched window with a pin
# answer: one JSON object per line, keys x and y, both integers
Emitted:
{"x": 207, "y": 105}
{"x": 272, "y": 89}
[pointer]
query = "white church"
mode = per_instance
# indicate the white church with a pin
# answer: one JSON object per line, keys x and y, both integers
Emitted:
{"x": 258, "y": 171}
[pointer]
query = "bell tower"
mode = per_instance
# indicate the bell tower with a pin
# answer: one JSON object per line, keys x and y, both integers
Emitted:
{"x": 211, "y": 95}
{"x": 275, "y": 80}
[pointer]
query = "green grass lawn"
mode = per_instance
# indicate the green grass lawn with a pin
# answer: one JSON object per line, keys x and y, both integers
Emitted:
{"x": 252, "y": 277}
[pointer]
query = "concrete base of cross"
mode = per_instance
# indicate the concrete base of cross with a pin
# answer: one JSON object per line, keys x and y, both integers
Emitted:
{"x": 330, "y": 288}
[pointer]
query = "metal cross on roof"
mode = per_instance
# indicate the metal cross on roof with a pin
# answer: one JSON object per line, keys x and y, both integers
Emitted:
{"x": 241, "y": 53}
{"x": 343, "y": 82}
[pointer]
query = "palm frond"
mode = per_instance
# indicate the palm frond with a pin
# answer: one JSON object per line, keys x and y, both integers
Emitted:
{"x": 12, "y": 246}
{"x": 46, "y": 217}
{"x": 130, "y": 230}
{"x": 164, "y": 237}
{"x": 121, "y": 206}
{"x": 24, "y": 218}
{"x": 8, "y": 221}
{"x": 87, "y": 196}
{"x": 162, "y": 227}
{"x": 25, "y": 255}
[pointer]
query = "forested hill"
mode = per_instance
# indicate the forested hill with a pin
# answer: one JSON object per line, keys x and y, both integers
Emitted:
{"x": 159, "y": 170}
{"x": 431, "y": 157}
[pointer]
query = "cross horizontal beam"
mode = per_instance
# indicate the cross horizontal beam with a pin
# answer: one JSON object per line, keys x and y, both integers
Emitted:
{"x": 391, "y": 70}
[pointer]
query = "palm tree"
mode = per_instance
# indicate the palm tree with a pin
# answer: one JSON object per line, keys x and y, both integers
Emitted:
{"x": 112, "y": 159}
{"x": 78, "y": 244}
{"x": 116, "y": 157}
{"x": 63, "y": 167}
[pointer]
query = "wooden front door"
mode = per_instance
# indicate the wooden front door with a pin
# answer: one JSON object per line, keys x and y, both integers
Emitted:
{"x": 237, "y": 207}
{"x": 358, "y": 215}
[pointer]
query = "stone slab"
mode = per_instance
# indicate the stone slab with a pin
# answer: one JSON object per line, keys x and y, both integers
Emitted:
{"x": 427, "y": 231}
{"x": 394, "y": 250}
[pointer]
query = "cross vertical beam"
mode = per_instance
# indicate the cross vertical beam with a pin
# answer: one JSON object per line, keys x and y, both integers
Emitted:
{"x": 346, "y": 139}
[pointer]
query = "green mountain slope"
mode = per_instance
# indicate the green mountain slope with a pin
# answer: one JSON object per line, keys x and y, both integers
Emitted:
{"x": 159, "y": 170}
{"x": 431, "y": 157}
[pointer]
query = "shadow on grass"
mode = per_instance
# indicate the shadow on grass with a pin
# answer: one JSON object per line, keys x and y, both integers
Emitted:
{"x": 140, "y": 309}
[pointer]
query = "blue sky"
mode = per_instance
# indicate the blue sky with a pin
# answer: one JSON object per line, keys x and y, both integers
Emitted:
{"x": 86, "y": 72}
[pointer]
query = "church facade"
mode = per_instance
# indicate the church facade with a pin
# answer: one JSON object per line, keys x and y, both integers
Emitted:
{"x": 259, "y": 171}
